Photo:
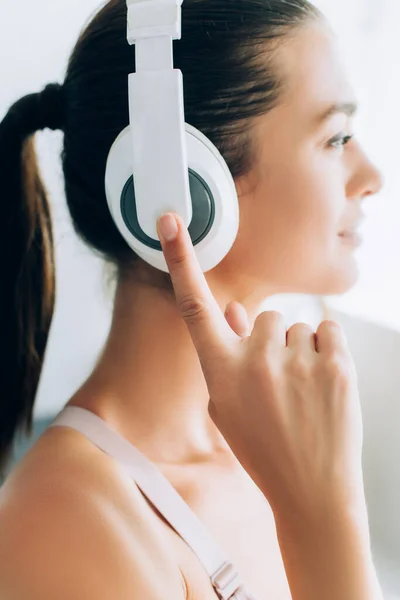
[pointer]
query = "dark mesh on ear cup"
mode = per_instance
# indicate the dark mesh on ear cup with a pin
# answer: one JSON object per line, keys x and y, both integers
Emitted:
{"x": 203, "y": 211}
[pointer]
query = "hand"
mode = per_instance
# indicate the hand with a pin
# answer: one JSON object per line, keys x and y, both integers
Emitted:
{"x": 286, "y": 402}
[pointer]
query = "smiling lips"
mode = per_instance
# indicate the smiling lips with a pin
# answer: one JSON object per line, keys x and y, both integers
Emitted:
{"x": 352, "y": 230}
{"x": 353, "y": 237}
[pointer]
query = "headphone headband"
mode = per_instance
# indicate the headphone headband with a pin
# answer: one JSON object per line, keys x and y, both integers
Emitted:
{"x": 156, "y": 112}
{"x": 161, "y": 164}
{"x": 153, "y": 18}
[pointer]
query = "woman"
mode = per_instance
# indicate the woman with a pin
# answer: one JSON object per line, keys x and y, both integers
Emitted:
{"x": 264, "y": 82}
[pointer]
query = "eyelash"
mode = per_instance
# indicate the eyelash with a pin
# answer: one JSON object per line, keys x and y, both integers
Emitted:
{"x": 345, "y": 139}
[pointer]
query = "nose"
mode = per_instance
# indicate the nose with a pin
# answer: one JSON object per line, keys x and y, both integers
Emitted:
{"x": 367, "y": 179}
{"x": 375, "y": 180}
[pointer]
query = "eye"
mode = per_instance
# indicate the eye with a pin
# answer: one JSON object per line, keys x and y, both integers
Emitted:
{"x": 339, "y": 141}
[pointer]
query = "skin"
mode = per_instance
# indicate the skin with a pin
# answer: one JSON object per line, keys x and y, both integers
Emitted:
{"x": 149, "y": 386}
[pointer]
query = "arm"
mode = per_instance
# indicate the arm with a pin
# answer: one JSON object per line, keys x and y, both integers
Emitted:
{"x": 328, "y": 556}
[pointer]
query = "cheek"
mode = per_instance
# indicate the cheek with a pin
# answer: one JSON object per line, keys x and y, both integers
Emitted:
{"x": 297, "y": 200}
{"x": 293, "y": 216}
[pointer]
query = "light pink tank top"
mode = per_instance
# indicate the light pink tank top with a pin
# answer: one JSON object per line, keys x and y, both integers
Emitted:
{"x": 224, "y": 577}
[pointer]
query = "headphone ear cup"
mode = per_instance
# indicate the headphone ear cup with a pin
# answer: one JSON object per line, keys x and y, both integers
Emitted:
{"x": 203, "y": 207}
{"x": 215, "y": 220}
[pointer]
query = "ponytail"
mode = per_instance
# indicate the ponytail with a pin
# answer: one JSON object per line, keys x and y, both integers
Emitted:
{"x": 27, "y": 263}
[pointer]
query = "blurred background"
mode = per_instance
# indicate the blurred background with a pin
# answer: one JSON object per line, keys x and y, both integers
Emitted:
{"x": 36, "y": 39}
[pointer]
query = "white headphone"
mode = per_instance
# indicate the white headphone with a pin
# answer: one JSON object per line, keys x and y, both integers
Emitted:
{"x": 159, "y": 163}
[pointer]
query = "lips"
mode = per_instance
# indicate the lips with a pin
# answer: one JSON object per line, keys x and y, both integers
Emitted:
{"x": 353, "y": 238}
{"x": 352, "y": 230}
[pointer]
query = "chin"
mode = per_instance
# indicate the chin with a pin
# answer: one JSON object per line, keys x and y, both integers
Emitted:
{"x": 341, "y": 281}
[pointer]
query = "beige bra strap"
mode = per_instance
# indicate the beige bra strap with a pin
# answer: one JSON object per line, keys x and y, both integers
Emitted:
{"x": 156, "y": 487}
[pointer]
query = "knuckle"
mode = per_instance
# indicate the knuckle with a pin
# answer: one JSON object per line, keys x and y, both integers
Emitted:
{"x": 332, "y": 325}
{"x": 335, "y": 366}
{"x": 268, "y": 317}
{"x": 299, "y": 367}
{"x": 178, "y": 259}
{"x": 193, "y": 309}
{"x": 272, "y": 315}
{"x": 335, "y": 331}
{"x": 301, "y": 327}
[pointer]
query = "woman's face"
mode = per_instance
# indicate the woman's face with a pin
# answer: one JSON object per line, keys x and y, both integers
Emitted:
{"x": 306, "y": 186}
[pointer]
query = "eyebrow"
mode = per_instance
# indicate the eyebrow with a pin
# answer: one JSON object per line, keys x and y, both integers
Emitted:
{"x": 348, "y": 108}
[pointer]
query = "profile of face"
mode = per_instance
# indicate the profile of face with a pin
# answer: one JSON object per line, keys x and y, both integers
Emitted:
{"x": 307, "y": 183}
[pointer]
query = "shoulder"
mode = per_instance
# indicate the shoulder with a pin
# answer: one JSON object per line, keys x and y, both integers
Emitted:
{"x": 65, "y": 535}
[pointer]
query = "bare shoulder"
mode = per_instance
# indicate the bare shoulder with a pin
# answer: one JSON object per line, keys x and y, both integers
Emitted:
{"x": 65, "y": 534}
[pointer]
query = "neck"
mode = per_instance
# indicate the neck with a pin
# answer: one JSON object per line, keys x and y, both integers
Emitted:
{"x": 148, "y": 383}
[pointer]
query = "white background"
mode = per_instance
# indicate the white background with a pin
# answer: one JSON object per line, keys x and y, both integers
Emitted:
{"x": 36, "y": 39}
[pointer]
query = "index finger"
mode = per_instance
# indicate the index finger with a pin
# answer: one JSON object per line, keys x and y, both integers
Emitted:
{"x": 207, "y": 325}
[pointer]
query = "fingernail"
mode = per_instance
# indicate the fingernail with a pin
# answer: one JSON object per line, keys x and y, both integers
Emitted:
{"x": 168, "y": 227}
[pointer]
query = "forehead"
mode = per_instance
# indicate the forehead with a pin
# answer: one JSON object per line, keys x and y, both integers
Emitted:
{"x": 312, "y": 70}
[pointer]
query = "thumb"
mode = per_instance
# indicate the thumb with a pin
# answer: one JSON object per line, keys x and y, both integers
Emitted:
{"x": 237, "y": 318}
